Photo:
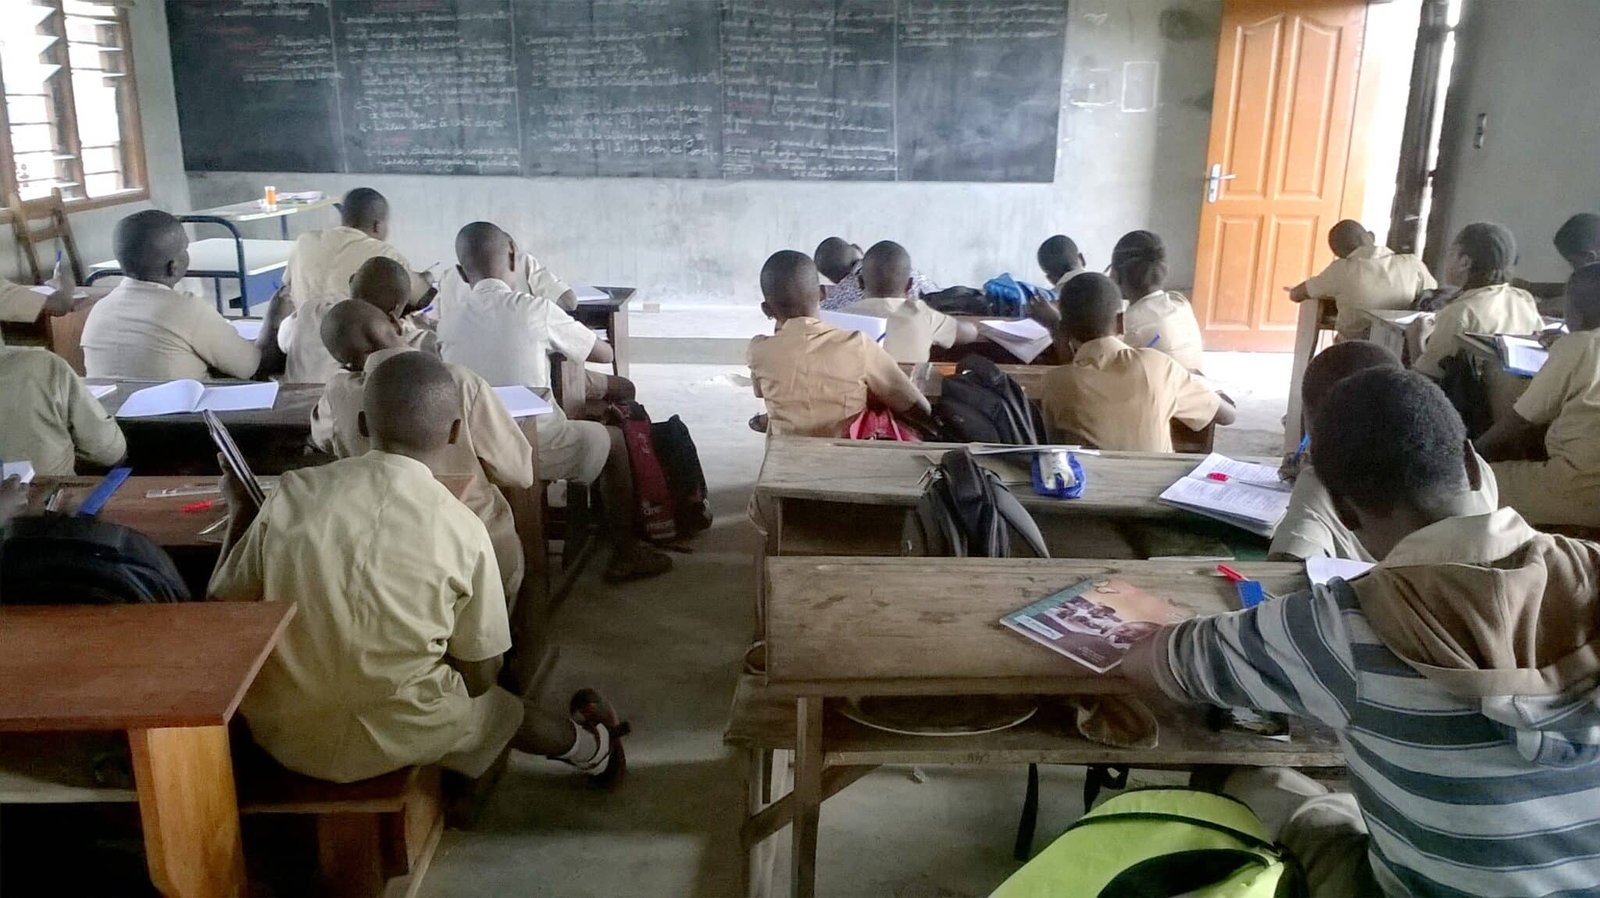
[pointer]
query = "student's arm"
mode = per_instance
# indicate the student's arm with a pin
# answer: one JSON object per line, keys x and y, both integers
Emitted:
{"x": 21, "y": 304}
{"x": 1539, "y": 405}
{"x": 1227, "y": 412}
{"x": 753, "y": 364}
{"x": 96, "y": 438}
{"x": 1196, "y": 405}
{"x": 966, "y": 332}
{"x": 482, "y": 633}
{"x": 502, "y": 448}
{"x": 886, "y": 381}
{"x": 273, "y": 357}
{"x": 601, "y": 352}
{"x": 1504, "y": 439}
{"x": 239, "y": 575}
{"x": 573, "y": 340}
{"x": 220, "y": 346}
{"x": 323, "y": 431}
{"x": 479, "y": 676}
{"x": 1442, "y": 340}
{"x": 543, "y": 282}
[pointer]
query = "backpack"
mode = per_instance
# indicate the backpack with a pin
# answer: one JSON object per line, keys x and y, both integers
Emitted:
{"x": 1152, "y": 843}
{"x": 966, "y": 512}
{"x": 1009, "y": 296}
{"x": 880, "y": 424}
{"x": 979, "y": 403}
{"x": 56, "y": 559}
{"x": 656, "y": 519}
{"x": 959, "y": 301}
{"x": 686, "y": 481}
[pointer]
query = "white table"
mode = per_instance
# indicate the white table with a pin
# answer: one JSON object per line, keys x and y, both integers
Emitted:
{"x": 220, "y": 258}
{"x": 253, "y": 210}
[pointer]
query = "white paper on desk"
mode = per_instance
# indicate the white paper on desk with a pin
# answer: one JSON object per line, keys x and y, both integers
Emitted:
{"x": 47, "y": 290}
{"x": 180, "y": 396}
{"x": 22, "y": 470}
{"x": 874, "y": 328}
{"x": 240, "y": 398}
{"x": 590, "y": 294}
{"x": 1320, "y": 570}
{"x": 1022, "y": 337}
{"x": 1521, "y": 355}
{"x": 1243, "y": 471}
{"x": 101, "y": 391}
{"x": 248, "y": 328}
{"x": 522, "y": 402}
{"x": 304, "y": 196}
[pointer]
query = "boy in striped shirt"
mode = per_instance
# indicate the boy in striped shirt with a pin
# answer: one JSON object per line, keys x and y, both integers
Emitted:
{"x": 1460, "y": 673}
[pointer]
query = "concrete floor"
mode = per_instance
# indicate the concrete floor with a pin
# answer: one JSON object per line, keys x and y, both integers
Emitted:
{"x": 668, "y": 653}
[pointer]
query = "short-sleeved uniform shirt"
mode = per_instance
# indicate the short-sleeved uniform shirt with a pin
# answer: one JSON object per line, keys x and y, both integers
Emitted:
{"x": 20, "y": 303}
{"x": 1371, "y": 277}
{"x": 912, "y": 328}
{"x": 530, "y": 277}
{"x": 815, "y": 378}
{"x": 320, "y": 268}
{"x": 391, "y": 573}
{"x": 1495, "y": 309}
{"x": 48, "y": 416}
{"x": 507, "y": 335}
{"x": 1165, "y": 320}
{"x": 147, "y": 331}
{"x": 1565, "y": 395}
{"x": 1114, "y": 396}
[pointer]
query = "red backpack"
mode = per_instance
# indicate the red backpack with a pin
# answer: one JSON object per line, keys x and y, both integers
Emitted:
{"x": 668, "y": 484}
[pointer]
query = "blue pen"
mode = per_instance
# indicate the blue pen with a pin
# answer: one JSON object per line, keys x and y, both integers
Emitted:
{"x": 1153, "y": 341}
{"x": 1305, "y": 442}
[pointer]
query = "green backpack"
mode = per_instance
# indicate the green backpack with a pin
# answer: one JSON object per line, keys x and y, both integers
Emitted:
{"x": 1151, "y": 843}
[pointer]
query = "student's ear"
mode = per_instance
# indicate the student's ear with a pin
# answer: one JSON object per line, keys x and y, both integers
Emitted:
{"x": 463, "y": 272}
{"x": 1122, "y": 323}
{"x": 361, "y": 425}
{"x": 455, "y": 431}
{"x": 907, "y": 288}
{"x": 822, "y": 293}
{"x": 1469, "y": 459}
{"x": 339, "y": 208}
{"x": 1082, "y": 262}
{"x": 767, "y": 311}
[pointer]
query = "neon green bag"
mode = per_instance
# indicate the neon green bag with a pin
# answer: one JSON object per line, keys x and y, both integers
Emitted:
{"x": 1150, "y": 843}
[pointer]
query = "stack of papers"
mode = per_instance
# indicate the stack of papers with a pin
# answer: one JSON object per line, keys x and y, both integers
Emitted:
{"x": 181, "y": 396}
{"x": 23, "y": 470}
{"x": 590, "y": 294}
{"x": 522, "y": 402}
{"x": 875, "y": 328}
{"x": 1023, "y": 337}
{"x": 1248, "y": 496}
{"x": 1521, "y": 355}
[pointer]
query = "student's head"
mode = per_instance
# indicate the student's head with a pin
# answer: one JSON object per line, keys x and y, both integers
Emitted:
{"x": 1348, "y": 236}
{"x": 1090, "y": 305}
{"x": 789, "y": 286}
{"x": 483, "y": 250}
{"x": 1393, "y": 454}
{"x": 410, "y": 406}
{"x": 1337, "y": 362}
{"x": 366, "y": 210}
{"x": 1482, "y": 254}
{"x": 1583, "y": 298}
{"x": 886, "y": 270}
{"x": 837, "y": 258}
{"x": 1578, "y": 240}
{"x": 353, "y": 330}
{"x": 1139, "y": 264}
{"x": 152, "y": 246}
{"x": 384, "y": 283}
{"x": 1057, "y": 256}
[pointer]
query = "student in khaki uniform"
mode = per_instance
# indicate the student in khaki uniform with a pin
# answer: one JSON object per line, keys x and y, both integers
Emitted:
{"x": 146, "y": 330}
{"x": 1364, "y": 276}
{"x": 1155, "y": 318}
{"x": 814, "y": 377}
{"x": 1480, "y": 260}
{"x": 1059, "y": 259}
{"x": 913, "y": 327}
{"x": 22, "y": 304}
{"x": 490, "y": 449}
{"x": 1311, "y": 528}
{"x": 392, "y": 656}
{"x": 50, "y": 418}
{"x": 1565, "y": 397}
{"x": 839, "y": 261}
{"x": 529, "y": 276}
{"x": 386, "y": 285}
{"x": 1116, "y": 396}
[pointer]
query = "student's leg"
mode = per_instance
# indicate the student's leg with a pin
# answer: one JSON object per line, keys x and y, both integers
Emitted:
{"x": 1323, "y": 829}
{"x": 601, "y": 390}
{"x": 588, "y": 736}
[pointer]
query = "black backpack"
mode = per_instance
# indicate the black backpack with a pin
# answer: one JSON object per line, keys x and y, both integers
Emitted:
{"x": 966, "y": 512}
{"x": 56, "y": 559}
{"x": 959, "y": 301}
{"x": 680, "y": 462}
{"x": 982, "y": 404}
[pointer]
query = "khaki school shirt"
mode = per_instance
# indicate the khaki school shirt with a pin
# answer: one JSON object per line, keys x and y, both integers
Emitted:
{"x": 1165, "y": 320}
{"x": 323, "y": 262}
{"x": 391, "y": 574}
{"x": 815, "y": 378}
{"x": 530, "y": 276}
{"x": 1565, "y": 394}
{"x": 912, "y": 327}
{"x": 1495, "y": 309}
{"x": 148, "y": 331}
{"x": 507, "y": 335}
{"x": 48, "y": 417}
{"x": 1115, "y": 396}
{"x": 1372, "y": 277}
{"x": 19, "y": 303}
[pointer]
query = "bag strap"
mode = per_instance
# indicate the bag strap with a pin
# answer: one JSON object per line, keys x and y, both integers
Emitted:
{"x": 1254, "y": 842}
{"x": 1181, "y": 872}
{"x": 1012, "y": 510}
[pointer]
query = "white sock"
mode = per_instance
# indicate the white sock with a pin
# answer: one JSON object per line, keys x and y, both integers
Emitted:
{"x": 589, "y": 751}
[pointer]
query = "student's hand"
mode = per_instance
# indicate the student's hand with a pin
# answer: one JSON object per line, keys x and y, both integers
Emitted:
{"x": 13, "y": 498}
{"x": 242, "y": 508}
{"x": 1044, "y": 311}
{"x": 63, "y": 286}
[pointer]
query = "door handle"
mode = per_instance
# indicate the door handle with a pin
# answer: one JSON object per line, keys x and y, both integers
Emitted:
{"x": 1214, "y": 179}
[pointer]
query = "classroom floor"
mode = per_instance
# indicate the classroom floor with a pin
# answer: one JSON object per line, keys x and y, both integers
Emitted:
{"x": 668, "y": 653}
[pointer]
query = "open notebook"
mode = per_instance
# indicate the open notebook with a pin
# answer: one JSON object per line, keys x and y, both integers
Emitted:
{"x": 1023, "y": 337}
{"x": 1251, "y": 497}
{"x": 1521, "y": 355}
{"x": 177, "y": 397}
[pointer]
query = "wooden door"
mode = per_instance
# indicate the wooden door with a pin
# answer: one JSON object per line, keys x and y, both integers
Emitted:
{"x": 1282, "y": 126}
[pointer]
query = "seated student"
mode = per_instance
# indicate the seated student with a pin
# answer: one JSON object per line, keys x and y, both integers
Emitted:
{"x": 321, "y": 266}
{"x": 1565, "y": 396}
{"x": 1311, "y": 528}
{"x": 1116, "y": 396}
{"x": 913, "y": 328}
{"x": 1460, "y": 673}
{"x": 50, "y": 416}
{"x": 392, "y": 656}
{"x": 1060, "y": 259}
{"x": 22, "y": 304}
{"x": 840, "y": 262}
{"x": 1155, "y": 318}
{"x": 507, "y": 337}
{"x": 1578, "y": 242}
{"x": 490, "y": 449}
{"x": 1364, "y": 276}
{"x": 1480, "y": 260}
{"x": 816, "y": 378}
{"x": 146, "y": 330}
{"x": 386, "y": 284}
{"x": 529, "y": 276}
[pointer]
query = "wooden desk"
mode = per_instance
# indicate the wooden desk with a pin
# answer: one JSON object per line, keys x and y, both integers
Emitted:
{"x": 273, "y": 440}
{"x": 611, "y": 316}
{"x": 1315, "y": 317}
{"x": 169, "y": 675}
{"x": 252, "y": 210}
{"x": 1388, "y": 329}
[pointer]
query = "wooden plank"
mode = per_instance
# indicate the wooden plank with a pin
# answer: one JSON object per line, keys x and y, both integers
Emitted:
{"x": 272, "y": 440}
{"x": 187, "y": 805}
{"x": 120, "y": 667}
{"x": 862, "y": 626}
{"x": 806, "y": 797}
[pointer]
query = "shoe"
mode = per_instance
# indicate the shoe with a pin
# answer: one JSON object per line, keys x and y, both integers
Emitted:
{"x": 592, "y": 712}
{"x": 641, "y": 564}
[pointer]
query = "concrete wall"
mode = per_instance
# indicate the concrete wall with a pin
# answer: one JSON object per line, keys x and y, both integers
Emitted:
{"x": 1124, "y": 163}
{"x": 158, "y": 111}
{"x": 1532, "y": 68}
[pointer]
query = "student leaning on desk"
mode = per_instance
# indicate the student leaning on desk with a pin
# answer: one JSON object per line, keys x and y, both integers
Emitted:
{"x": 1481, "y": 259}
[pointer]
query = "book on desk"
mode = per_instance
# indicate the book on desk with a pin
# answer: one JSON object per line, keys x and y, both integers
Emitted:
{"x": 177, "y": 397}
{"x": 1247, "y": 495}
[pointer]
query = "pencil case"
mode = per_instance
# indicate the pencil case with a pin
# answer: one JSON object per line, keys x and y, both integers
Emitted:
{"x": 1057, "y": 473}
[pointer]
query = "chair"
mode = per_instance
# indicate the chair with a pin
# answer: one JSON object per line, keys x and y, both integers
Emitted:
{"x": 53, "y": 210}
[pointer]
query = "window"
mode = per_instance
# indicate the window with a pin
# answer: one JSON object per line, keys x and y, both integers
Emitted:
{"x": 70, "y": 118}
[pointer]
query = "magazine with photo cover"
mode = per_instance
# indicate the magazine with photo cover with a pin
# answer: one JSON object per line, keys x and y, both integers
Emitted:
{"x": 1094, "y": 622}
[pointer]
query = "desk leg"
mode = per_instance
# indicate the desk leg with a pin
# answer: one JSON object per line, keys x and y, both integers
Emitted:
{"x": 807, "y": 796}
{"x": 618, "y": 326}
{"x": 190, "y": 811}
{"x": 530, "y": 610}
{"x": 1305, "y": 346}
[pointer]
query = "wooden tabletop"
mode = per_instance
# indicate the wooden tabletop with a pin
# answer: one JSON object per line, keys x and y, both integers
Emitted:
{"x": 930, "y": 626}
{"x": 119, "y": 667}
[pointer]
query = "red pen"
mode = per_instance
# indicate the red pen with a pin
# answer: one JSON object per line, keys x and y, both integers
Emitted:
{"x": 1218, "y": 476}
{"x": 193, "y": 507}
{"x": 1232, "y": 575}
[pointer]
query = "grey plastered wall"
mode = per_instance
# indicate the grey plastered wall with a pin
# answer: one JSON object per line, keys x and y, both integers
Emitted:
{"x": 1136, "y": 105}
{"x": 158, "y": 111}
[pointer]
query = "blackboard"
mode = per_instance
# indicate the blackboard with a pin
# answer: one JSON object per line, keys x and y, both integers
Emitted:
{"x": 884, "y": 90}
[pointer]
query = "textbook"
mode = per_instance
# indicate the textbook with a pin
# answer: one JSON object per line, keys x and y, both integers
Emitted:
{"x": 522, "y": 402}
{"x": 1248, "y": 496}
{"x": 1023, "y": 337}
{"x": 179, "y": 396}
{"x": 1095, "y": 621}
{"x": 875, "y": 328}
{"x": 1521, "y": 355}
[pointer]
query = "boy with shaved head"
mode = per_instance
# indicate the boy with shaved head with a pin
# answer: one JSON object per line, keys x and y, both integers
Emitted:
{"x": 529, "y": 275}
{"x": 1364, "y": 276}
{"x": 839, "y": 260}
{"x": 392, "y": 657}
{"x": 913, "y": 327}
{"x": 386, "y": 285}
{"x": 1059, "y": 258}
{"x": 1116, "y": 396}
{"x": 814, "y": 377}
